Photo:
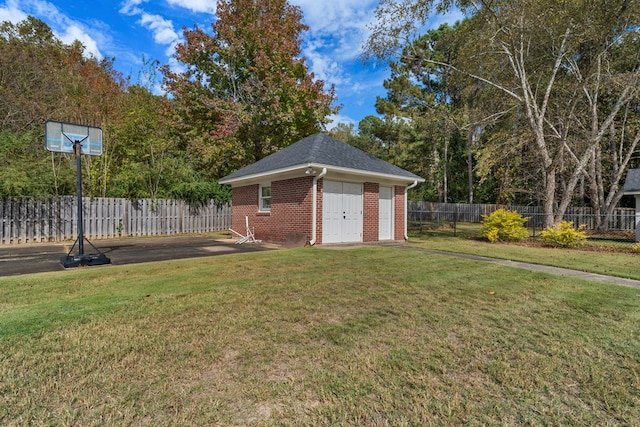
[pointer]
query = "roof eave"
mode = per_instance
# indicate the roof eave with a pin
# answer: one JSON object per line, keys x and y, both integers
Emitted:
{"x": 261, "y": 176}
{"x": 379, "y": 175}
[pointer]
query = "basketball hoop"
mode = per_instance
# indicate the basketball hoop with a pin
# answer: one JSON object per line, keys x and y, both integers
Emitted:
{"x": 76, "y": 139}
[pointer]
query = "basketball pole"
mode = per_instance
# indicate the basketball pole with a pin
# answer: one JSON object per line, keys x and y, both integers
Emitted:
{"x": 77, "y": 146}
{"x": 81, "y": 259}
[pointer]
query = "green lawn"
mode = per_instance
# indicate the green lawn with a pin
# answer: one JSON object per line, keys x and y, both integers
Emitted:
{"x": 611, "y": 259}
{"x": 369, "y": 336}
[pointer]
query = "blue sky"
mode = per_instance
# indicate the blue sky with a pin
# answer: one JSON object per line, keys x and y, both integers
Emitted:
{"x": 132, "y": 30}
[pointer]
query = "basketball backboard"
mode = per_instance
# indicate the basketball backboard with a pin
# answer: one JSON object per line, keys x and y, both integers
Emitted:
{"x": 61, "y": 137}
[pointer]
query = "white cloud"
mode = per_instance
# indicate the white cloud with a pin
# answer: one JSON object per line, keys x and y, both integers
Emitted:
{"x": 341, "y": 24}
{"x": 332, "y": 16}
{"x": 130, "y": 7}
{"x": 66, "y": 29}
{"x": 11, "y": 12}
{"x": 198, "y": 6}
{"x": 338, "y": 30}
{"x": 321, "y": 64}
{"x": 162, "y": 30}
{"x": 333, "y": 44}
{"x": 75, "y": 32}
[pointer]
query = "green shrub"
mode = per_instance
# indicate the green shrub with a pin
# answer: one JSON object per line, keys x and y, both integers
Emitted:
{"x": 504, "y": 225}
{"x": 564, "y": 234}
{"x": 199, "y": 193}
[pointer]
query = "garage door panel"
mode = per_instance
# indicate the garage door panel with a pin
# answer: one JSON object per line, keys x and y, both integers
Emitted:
{"x": 342, "y": 212}
{"x": 352, "y": 204}
{"x": 385, "y": 207}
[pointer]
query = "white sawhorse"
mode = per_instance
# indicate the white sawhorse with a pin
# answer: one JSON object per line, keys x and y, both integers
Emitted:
{"x": 249, "y": 237}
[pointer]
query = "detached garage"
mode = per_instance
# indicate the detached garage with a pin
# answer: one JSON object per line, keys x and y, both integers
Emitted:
{"x": 322, "y": 191}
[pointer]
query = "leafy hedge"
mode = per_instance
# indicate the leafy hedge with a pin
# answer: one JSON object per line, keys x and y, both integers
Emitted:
{"x": 504, "y": 225}
{"x": 199, "y": 193}
{"x": 564, "y": 234}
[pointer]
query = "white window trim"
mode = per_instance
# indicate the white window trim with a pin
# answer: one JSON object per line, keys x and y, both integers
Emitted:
{"x": 261, "y": 208}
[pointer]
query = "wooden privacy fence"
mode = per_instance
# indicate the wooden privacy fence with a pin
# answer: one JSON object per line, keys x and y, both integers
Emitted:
{"x": 56, "y": 219}
{"x": 622, "y": 219}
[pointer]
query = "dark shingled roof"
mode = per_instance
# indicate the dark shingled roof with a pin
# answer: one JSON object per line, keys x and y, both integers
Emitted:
{"x": 321, "y": 149}
{"x": 632, "y": 183}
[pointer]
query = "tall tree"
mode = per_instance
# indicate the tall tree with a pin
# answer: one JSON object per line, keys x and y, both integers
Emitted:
{"x": 30, "y": 57}
{"x": 246, "y": 91}
{"x": 145, "y": 159}
{"x": 551, "y": 63}
{"x": 421, "y": 95}
{"x": 42, "y": 78}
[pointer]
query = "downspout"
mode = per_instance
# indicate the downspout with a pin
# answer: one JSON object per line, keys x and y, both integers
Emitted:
{"x": 406, "y": 196}
{"x": 314, "y": 206}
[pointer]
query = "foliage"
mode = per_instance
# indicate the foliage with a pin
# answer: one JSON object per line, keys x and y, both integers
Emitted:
{"x": 426, "y": 111}
{"x": 246, "y": 91}
{"x": 199, "y": 193}
{"x": 504, "y": 225}
{"x": 495, "y": 108}
{"x": 564, "y": 234}
{"x": 553, "y": 106}
{"x": 42, "y": 78}
{"x": 29, "y": 170}
{"x": 146, "y": 159}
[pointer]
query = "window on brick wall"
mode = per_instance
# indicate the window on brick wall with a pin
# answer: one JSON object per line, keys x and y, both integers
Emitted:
{"x": 265, "y": 198}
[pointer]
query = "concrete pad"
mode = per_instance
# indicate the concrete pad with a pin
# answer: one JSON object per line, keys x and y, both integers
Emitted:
{"x": 45, "y": 257}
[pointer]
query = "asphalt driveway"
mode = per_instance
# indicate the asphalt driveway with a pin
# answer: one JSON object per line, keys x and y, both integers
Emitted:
{"x": 45, "y": 257}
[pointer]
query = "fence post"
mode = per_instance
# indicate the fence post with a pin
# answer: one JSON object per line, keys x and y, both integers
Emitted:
{"x": 455, "y": 220}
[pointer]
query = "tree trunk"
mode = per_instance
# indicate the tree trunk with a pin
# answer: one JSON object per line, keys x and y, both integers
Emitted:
{"x": 470, "y": 137}
{"x": 445, "y": 171}
{"x": 548, "y": 198}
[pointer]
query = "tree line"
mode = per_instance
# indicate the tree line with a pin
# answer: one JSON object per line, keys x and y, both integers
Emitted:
{"x": 529, "y": 102}
{"x": 244, "y": 92}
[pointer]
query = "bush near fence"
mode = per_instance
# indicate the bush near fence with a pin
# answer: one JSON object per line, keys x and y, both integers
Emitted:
{"x": 621, "y": 225}
{"x": 27, "y": 220}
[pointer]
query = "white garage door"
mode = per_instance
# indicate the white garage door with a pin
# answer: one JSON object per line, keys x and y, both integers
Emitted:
{"x": 385, "y": 224}
{"x": 341, "y": 212}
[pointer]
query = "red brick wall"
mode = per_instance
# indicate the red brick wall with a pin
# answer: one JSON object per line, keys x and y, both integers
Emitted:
{"x": 399, "y": 212}
{"x": 290, "y": 210}
{"x": 370, "y": 215}
{"x": 244, "y": 202}
{"x": 291, "y": 206}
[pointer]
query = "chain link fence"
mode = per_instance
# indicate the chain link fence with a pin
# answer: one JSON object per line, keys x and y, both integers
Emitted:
{"x": 457, "y": 219}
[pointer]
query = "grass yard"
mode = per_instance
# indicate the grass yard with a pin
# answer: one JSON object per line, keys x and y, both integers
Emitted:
{"x": 593, "y": 257}
{"x": 370, "y": 336}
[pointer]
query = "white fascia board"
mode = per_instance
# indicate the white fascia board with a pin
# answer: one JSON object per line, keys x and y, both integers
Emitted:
{"x": 375, "y": 175}
{"x": 265, "y": 176}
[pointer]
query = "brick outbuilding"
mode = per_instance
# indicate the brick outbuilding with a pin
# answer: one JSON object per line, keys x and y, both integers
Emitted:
{"x": 632, "y": 188}
{"x": 322, "y": 191}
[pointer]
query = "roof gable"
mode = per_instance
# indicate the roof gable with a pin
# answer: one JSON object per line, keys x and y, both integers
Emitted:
{"x": 320, "y": 149}
{"x": 632, "y": 183}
